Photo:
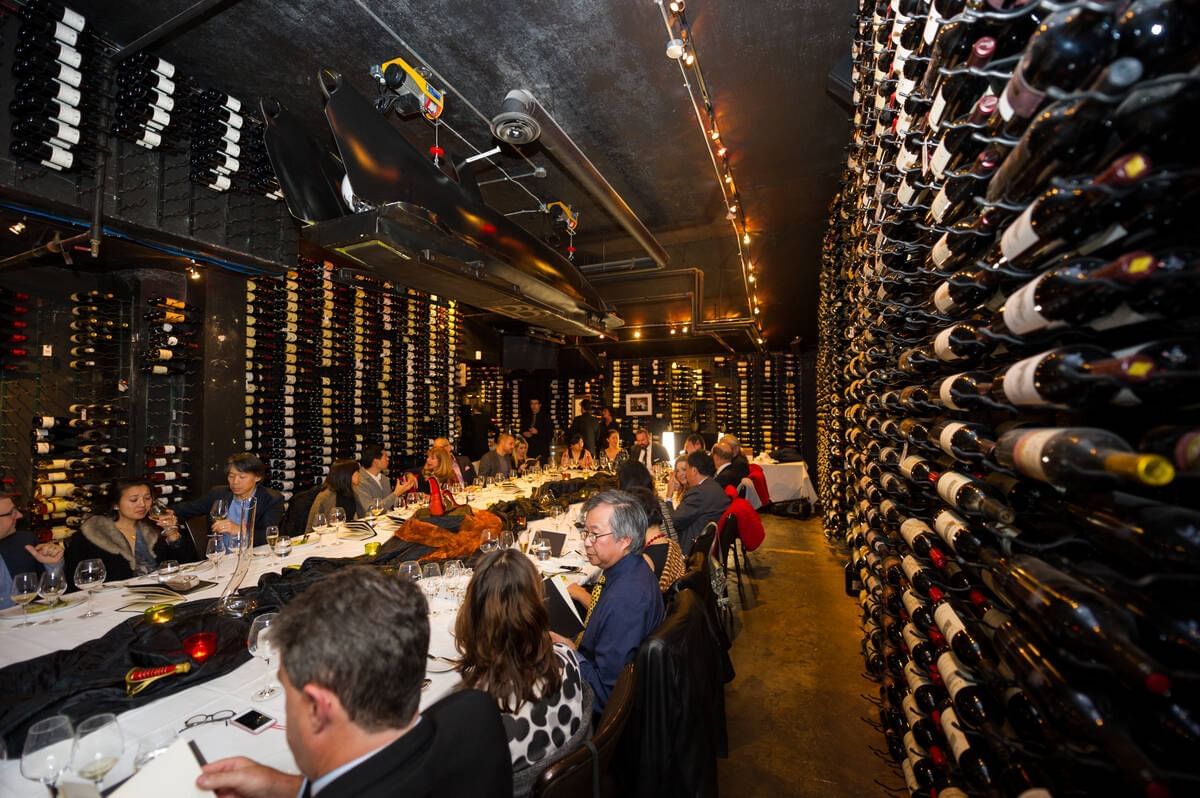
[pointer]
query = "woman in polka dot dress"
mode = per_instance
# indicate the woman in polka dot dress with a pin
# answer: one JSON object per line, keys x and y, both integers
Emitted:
{"x": 503, "y": 635}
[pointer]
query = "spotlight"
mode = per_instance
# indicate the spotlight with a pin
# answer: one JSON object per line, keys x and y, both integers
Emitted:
{"x": 756, "y": 310}
{"x": 689, "y": 58}
{"x": 761, "y": 341}
{"x": 714, "y": 134}
{"x": 676, "y": 6}
{"x": 685, "y": 328}
{"x": 193, "y": 272}
{"x": 722, "y": 151}
{"x": 729, "y": 178}
{"x": 637, "y": 333}
{"x": 17, "y": 228}
{"x": 753, "y": 279}
{"x": 675, "y": 49}
{"x": 673, "y": 331}
{"x": 746, "y": 239}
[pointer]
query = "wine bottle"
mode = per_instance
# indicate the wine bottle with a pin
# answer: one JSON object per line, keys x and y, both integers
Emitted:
{"x": 1079, "y": 375}
{"x": 1079, "y": 456}
{"x": 973, "y": 497}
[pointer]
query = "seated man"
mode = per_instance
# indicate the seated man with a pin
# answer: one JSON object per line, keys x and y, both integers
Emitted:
{"x": 693, "y": 443}
{"x": 646, "y": 451}
{"x": 18, "y": 554}
{"x": 463, "y": 470}
{"x": 352, "y": 652}
{"x": 703, "y": 501}
{"x": 498, "y": 462}
{"x": 729, "y": 472}
{"x": 373, "y": 482}
{"x": 739, "y": 457}
{"x": 625, "y": 605}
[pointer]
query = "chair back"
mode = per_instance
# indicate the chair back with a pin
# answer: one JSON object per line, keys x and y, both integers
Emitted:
{"x": 295, "y": 515}
{"x": 747, "y": 491}
{"x": 759, "y": 478}
{"x": 704, "y": 542}
{"x": 727, "y": 530}
{"x": 586, "y": 771}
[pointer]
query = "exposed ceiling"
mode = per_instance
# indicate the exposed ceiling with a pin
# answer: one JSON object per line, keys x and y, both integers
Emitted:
{"x": 599, "y": 67}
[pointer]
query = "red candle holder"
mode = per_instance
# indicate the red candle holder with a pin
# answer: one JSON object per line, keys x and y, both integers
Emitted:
{"x": 200, "y": 646}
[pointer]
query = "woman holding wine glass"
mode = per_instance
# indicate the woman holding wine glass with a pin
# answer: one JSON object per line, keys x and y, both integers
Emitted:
{"x": 612, "y": 455}
{"x": 125, "y": 541}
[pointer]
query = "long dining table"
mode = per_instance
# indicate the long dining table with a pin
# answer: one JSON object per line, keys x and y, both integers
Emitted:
{"x": 147, "y": 724}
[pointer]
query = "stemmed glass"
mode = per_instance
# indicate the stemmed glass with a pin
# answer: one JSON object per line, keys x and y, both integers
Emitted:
{"x": 214, "y": 551}
{"x": 319, "y": 524}
{"x": 259, "y": 644}
{"x": 337, "y": 517}
{"x": 376, "y": 508}
{"x": 47, "y": 750}
{"x": 89, "y": 577}
{"x": 157, "y": 511}
{"x": 410, "y": 569}
{"x": 52, "y": 585}
{"x": 272, "y": 537}
{"x": 488, "y": 541}
{"x": 282, "y": 546}
{"x": 24, "y": 591}
{"x": 219, "y": 511}
{"x": 98, "y": 747}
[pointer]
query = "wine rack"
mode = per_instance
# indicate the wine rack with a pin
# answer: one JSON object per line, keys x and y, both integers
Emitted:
{"x": 1006, "y": 382}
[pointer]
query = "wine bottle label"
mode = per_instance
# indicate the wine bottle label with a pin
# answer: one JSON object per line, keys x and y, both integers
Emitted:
{"x": 910, "y": 777}
{"x": 941, "y": 157}
{"x": 160, "y": 370}
{"x": 906, "y": 192}
{"x": 949, "y": 623}
{"x": 912, "y": 602}
{"x": 59, "y": 158}
{"x": 65, "y": 133}
{"x": 163, "y": 84}
{"x": 941, "y": 251}
{"x": 1103, "y": 239}
{"x": 880, "y": 101}
{"x": 940, "y": 204}
{"x": 47, "y": 422}
{"x": 905, "y": 87}
{"x": 914, "y": 677}
{"x": 230, "y": 133}
{"x": 163, "y": 101}
{"x": 911, "y": 638}
{"x": 952, "y": 673}
{"x": 69, "y": 75}
{"x": 959, "y": 743}
{"x": 68, "y": 114}
{"x": 911, "y": 567}
{"x": 1019, "y": 98}
{"x": 948, "y": 485}
{"x": 932, "y": 23}
{"x": 909, "y": 463}
{"x": 69, "y": 95}
{"x": 1123, "y": 316}
{"x": 66, "y": 34}
{"x": 165, "y": 354}
{"x": 913, "y": 528}
{"x": 165, "y": 68}
{"x": 946, "y": 439}
{"x": 1021, "y": 311}
{"x": 1027, "y": 451}
{"x": 948, "y": 525}
{"x": 942, "y": 346}
{"x": 935, "y": 110}
{"x": 1020, "y": 383}
{"x": 69, "y": 55}
{"x": 1020, "y": 235}
{"x": 912, "y": 713}
{"x": 158, "y": 117}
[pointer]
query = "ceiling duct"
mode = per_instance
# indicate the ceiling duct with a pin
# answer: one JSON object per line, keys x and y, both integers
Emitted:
{"x": 423, "y": 226}
{"x": 523, "y": 120}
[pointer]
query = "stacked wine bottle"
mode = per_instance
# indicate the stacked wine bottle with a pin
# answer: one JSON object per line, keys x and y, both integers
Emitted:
{"x": 227, "y": 147}
{"x": 153, "y": 102}
{"x": 1007, "y": 383}
{"x": 75, "y": 457}
{"x": 58, "y": 66}
{"x": 14, "y": 331}
{"x": 171, "y": 337}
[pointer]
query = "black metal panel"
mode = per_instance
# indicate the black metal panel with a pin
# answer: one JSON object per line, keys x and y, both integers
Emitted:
{"x": 224, "y": 373}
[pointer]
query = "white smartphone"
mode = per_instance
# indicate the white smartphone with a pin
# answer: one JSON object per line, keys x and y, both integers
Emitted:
{"x": 253, "y": 721}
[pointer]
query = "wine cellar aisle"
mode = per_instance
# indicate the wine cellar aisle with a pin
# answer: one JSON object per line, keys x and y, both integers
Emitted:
{"x": 795, "y": 709}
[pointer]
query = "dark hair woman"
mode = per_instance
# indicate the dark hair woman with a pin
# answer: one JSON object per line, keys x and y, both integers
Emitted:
{"x": 503, "y": 635}
{"x": 575, "y": 455}
{"x": 124, "y": 539}
{"x": 338, "y": 491}
{"x": 661, "y": 552}
{"x": 611, "y": 453}
{"x": 632, "y": 474}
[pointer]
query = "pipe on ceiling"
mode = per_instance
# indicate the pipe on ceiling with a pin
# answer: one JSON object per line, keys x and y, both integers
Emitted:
{"x": 624, "y": 266}
{"x": 522, "y": 120}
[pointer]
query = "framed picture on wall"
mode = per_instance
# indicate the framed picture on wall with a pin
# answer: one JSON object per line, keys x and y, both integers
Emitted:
{"x": 639, "y": 404}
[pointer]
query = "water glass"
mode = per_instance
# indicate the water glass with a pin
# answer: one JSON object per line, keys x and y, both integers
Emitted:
{"x": 24, "y": 591}
{"x": 98, "y": 747}
{"x": 431, "y": 570}
{"x": 541, "y": 548}
{"x": 47, "y": 752}
{"x": 258, "y": 643}
{"x": 409, "y": 569}
{"x": 89, "y": 577}
{"x": 282, "y": 547}
{"x": 153, "y": 745}
{"x": 168, "y": 570}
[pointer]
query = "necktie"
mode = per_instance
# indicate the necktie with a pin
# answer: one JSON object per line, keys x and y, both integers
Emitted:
{"x": 596, "y": 589}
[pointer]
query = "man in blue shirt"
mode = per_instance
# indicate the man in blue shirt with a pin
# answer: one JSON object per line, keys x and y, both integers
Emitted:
{"x": 17, "y": 552}
{"x": 625, "y": 604}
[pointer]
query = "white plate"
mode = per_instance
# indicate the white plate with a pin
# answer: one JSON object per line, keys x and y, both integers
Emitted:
{"x": 69, "y": 602}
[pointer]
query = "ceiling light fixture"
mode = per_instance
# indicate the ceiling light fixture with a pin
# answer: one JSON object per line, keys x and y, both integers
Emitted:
{"x": 193, "y": 272}
{"x": 16, "y": 228}
{"x": 714, "y": 134}
{"x": 675, "y": 48}
{"x": 746, "y": 239}
{"x": 637, "y": 333}
{"x": 677, "y": 6}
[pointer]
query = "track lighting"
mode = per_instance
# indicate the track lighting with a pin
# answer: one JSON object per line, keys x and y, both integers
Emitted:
{"x": 675, "y": 49}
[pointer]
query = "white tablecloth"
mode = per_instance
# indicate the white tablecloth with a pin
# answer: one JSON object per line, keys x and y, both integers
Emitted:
{"x": 233, "y": 690}
{"x": 788, "y": 481}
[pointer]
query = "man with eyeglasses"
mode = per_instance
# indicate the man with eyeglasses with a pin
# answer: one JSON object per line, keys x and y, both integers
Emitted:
{"x": 18, "y": 554}
{"x": 625, "y": 605}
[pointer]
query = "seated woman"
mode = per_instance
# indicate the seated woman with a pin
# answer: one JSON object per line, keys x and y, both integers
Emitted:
{"x": 611, "y": 454}
{"x": 633, "y": 474}
{"x": 661, "y": 553}
{"x": 125, "y": 540}
{"x": 503, "y": 635}
{"x": 677, "y": 482}
{"x": 243, "y": 473}
{"x": 439, "y": 466}
{"x": 338, "y": 491}
{"x": 520, "y": 455}
{"x": 575, "y": 456}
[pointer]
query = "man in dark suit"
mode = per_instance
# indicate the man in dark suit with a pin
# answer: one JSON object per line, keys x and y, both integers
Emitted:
{"x": 587, "y": 426}
{"x": 704, "y": 500}
{"x": 739, "y": 459}
{"x": 729, "y": 472}
{"x": 243, "y": 473}
{"x": 538, "y": 431}
{"x": 349, "y": 737}
{"x": 646, "y": 451}
{"x": 462, "y": 464}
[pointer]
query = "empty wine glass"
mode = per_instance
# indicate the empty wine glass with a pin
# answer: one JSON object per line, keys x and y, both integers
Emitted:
{"x": 488, "y": 541}
{"x": 168, "y": 570}
{"x": 214, "y": 551}
{"x": 47, "y": 752}
{"x": 89, "y": 577}
{"x": 430, "y": 570}
{"x": 258, "y": 642}
{"x": 409, "y": 569}
{"x": 24, "y": 591}
{"x": 506, "y": 540}
{"x": 337, "y": 517}
{"x": 153, "y": 745}
{"x": 51, "y": 585}
{"x": 318, "y": 526}
{"x": 98, "y": 747}
{"x": 219, "y": 511}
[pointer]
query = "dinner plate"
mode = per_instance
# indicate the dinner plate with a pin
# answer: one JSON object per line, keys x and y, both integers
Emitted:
{"x": 40, "y": 609}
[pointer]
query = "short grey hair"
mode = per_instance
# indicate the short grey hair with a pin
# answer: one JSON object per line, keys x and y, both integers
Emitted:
{"x": 732, "y": 442}
{"x": 628, "y": 521}
{"x": 722, "y": 451}
{"x": 353, "y": 631}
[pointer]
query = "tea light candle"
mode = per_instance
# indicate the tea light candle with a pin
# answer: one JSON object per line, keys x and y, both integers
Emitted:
{"x": 372, "y": 548}
{"x": 159, "y": 613}
{"x": 200, "y": 646}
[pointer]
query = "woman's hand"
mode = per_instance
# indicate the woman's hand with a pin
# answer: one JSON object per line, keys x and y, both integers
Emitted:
{"x": 167, "y": 519}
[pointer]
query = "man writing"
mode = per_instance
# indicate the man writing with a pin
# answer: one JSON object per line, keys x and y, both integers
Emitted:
{"x": 538, "y": 430}
{"x": 463, "y": 470}
{"x": 373, "y": 482}
{"x": 625, "y": 605}
{"x": 18, "y": 554}
{"x": 498, "y": 462}
{"x": 704, "y": 500}
{"x": 352, "y": 652}
{"x": 646, "y": 451}
{"x": 729, "y": 471}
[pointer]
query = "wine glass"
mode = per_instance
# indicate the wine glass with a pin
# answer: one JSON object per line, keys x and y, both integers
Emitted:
{"x": 337, "y": 517}
{"x": 24, "y": 591}
{"x": 272, "y": 537}
{"x": 376, "y": 508}
{"x": 282, "y": 547}
{"x": 506, "y": 540}
{"x": 89, "y": 576}
{"x": 47, "y": 751}
{"x": 214, "y": 551}
{"x": 488, "y": 541}
{"x": 431, "y": 570}
{"x": 98, "y": 747}
{"x": 319, "y": 524}
{"x": 410, "y": 569}
{"x": 51, "y": 585}
{"x": 168, "y": 570}
{"x": 157, "y": 511}
{"x": 258, "y": 642}
{"x": 219, "y": 511}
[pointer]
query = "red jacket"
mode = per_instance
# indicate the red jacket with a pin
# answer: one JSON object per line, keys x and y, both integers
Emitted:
{"x": 760, "y": 483}
{"x": 749, "y": 525}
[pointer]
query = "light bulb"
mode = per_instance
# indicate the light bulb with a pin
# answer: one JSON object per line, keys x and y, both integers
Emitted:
{"x": 675, "y": 48}
{"x": 714, "y": 134}
{"x": 746, "y": 239}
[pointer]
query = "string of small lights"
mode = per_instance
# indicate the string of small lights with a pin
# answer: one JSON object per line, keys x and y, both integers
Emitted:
{"x": 682, "y": 48}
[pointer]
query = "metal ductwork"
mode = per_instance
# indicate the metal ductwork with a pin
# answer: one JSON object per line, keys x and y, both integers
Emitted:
{"x": 423, "y": 228}
{"x": 523, "y": 120}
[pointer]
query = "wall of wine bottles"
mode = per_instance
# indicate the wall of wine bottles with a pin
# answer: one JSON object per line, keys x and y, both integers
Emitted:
{"x": 1008, "y": 387}
{"x": 336, "y": 360}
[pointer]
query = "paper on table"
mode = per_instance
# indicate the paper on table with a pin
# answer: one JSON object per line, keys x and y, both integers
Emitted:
{"x": 173, "y": 772}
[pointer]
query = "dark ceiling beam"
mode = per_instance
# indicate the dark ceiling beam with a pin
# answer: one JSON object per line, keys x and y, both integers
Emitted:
{"x": 191, "y": 16}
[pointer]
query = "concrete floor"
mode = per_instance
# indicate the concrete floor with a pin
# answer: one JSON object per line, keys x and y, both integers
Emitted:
{"x": 794, "y": 708}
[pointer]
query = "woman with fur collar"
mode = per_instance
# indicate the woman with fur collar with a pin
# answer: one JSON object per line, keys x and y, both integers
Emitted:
{"x": 126, "y": 540}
